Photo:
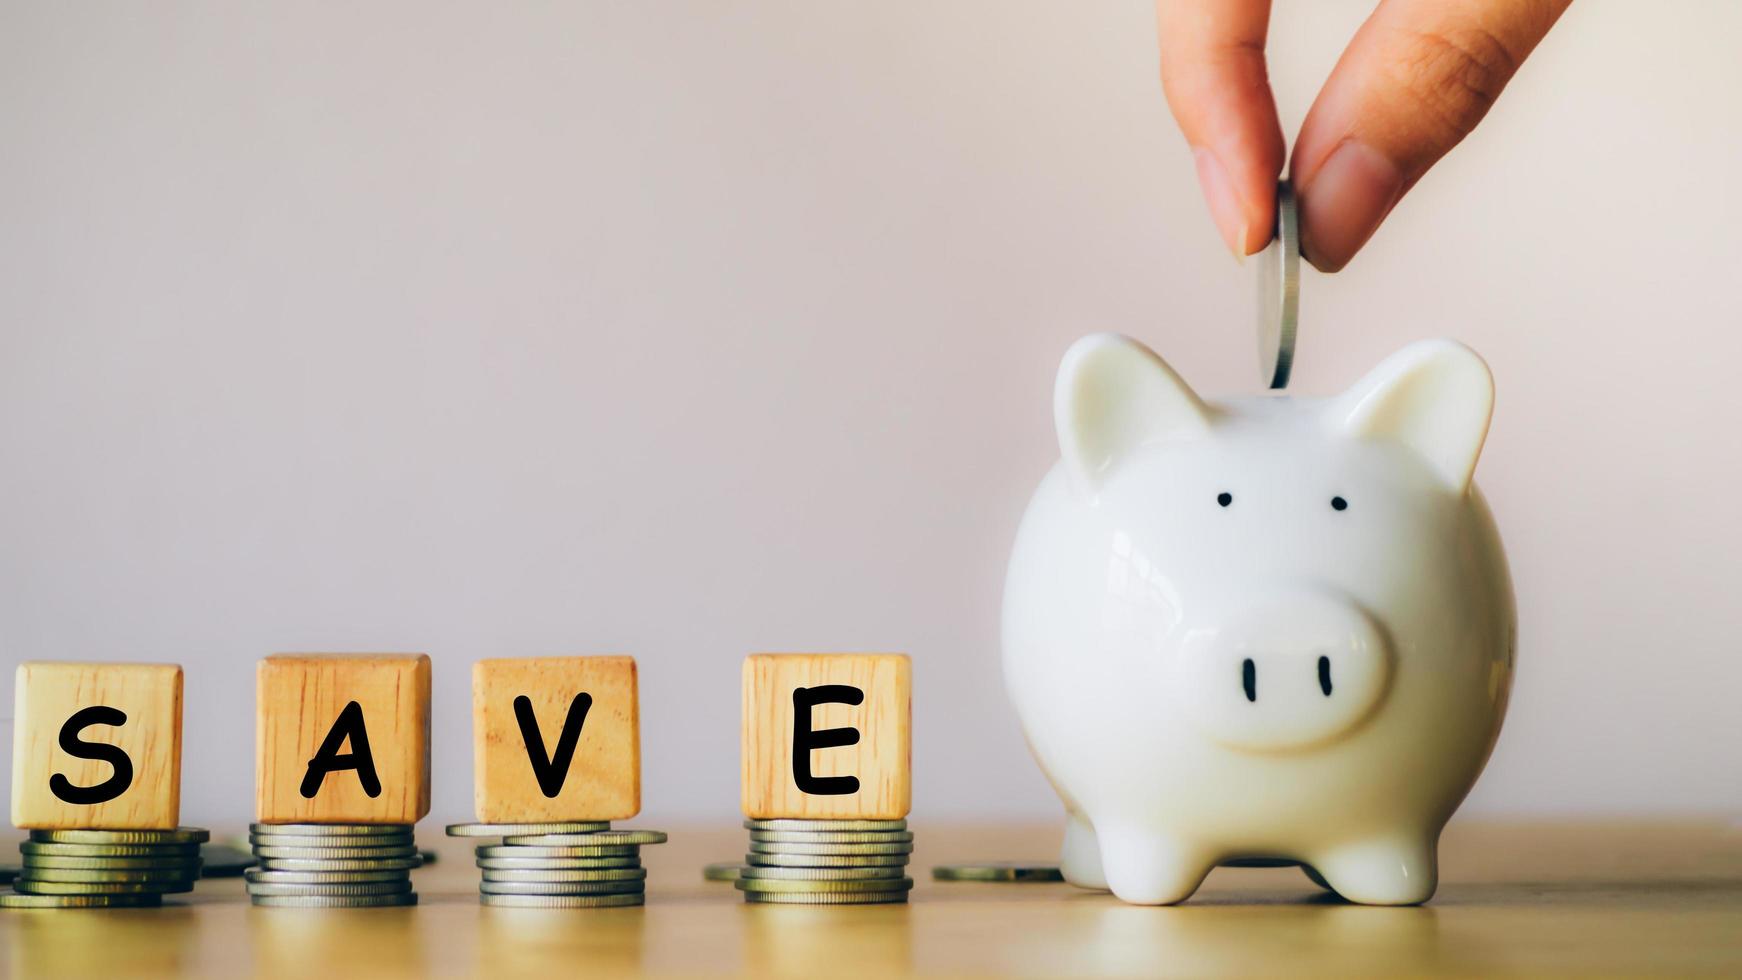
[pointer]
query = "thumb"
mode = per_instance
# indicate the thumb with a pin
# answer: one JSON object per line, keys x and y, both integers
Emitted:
{"x": 1417, "y": 78}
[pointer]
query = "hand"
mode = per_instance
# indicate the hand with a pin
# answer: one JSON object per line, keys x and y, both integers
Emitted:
{"x": 1417, "y": 78}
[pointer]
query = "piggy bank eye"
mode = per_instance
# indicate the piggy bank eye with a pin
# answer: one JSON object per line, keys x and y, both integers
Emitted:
{"x": 1224, "y": 498}
{"x": 1338, "y": 503}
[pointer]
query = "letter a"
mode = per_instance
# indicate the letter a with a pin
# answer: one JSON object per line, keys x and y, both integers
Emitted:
{"x": 328, "y": 758}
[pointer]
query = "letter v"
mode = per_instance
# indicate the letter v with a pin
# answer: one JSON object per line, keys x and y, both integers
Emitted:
{"x": 553, "y": 769}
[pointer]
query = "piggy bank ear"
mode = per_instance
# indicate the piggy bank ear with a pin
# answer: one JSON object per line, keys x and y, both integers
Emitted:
{"x": 1435, "y": 397}
{"x": 1113, "y": 395}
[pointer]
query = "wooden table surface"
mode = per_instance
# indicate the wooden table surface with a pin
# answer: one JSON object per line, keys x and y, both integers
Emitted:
{"x": 1662, "y": 899}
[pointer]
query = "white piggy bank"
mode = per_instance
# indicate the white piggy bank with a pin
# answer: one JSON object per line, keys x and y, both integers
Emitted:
{"x": 1268, "y": 629}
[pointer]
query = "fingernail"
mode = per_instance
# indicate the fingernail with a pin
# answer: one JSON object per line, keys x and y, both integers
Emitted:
{"x": 1225, "y": 209}
{"x": 1342, "y": 205}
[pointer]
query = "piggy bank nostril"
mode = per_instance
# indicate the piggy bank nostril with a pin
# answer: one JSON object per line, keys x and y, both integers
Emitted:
{"x": 1325, "y": 675}
{"x": 1249, "y": 678}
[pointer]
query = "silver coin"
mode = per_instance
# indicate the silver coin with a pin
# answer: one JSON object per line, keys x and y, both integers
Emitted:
{"x": 257, "y": 841}
{"x": 523, "y": 829}
{"x": 824, "y": 874}
{"x": 600, "y": 837}
{"x": 360, "y": 888}
{"x": 794, "y": 886}
{"x": 369, "y": 864}
{"x": 1279, "y": 293}
{"x": 552, "y": 877}
{"x": 14, "y": 900}
{"x": 562, "y": 901}
{"x": 1017, "y": 871}
{"x": 333, "y": 901}
{"x": 256, "y": 876}
{"x": 110, "y": 864}
{"x": 172, "y": 876}
{"x": 765, "y": 860}
{"x": 764, "y": 847}
{"x": 560, "y": 887}
{"x": 794, "y": 824}
{"x": 34, "y": 887}
{"x": 334, "y": 853}
{"x": 557, "y": 864}
{"x": 832, "y": 837}
{"x": 187, "y": 851}
{"x": 332, "y": 829}
{"x": 825, "y": 898}
{"x": 525, "y": 851}
{"x": 180, "y": 835}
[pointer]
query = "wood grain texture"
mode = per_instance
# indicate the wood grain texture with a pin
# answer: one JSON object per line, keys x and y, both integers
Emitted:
{"x": 881, "y": 761}
{"x": 48, "y": 694}
{"x": 1545, "y": 899}
{"x": 603, "y": 781}
{"x": 300, "y": 697}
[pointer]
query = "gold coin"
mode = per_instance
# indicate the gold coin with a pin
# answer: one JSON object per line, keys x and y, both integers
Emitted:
{"x": 518, "y": 829}
{"x": 333, "y": 901}
{"x": 180, "y": 835}
{"x": 765, "y": 860}
{"x": 14, "y": 900}
{"x": 523, "y": 851}
{"x": 336, "y": 864}
{"x": 793, "y": 887}
{"x": 72, "y": 874}
{"x": 844, "y": 837}
{"x": 101, "y": 888}
{"x": 635, "y": 837}
{"x": 111, "y": 863}
{"x": 998, "y": 871}
{"x": 825, "y": 898}
{"x": 827, "y": 874}
{"x": 723, "y": 871}
{"x": 825, "y": 826}
{"x": 361, "y": 888}
{"x": 334, "y": 853}
{"x": 562, "y": 901}
{"x": 332, "y": 829}
{"x": 765, "y": 847}
{"x": 30, "y": 847}
{"x": 559, "y": 888}
{"x": 622, "y": 874}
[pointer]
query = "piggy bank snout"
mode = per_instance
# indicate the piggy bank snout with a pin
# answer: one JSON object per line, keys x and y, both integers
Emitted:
{"x": 1291, "y": 671}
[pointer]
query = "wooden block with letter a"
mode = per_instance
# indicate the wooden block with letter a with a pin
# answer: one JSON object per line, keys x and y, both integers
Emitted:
{"x": 97, "y": 745}
{"x": 556, "y": 739}
{"x": 342, "y": 739}
{"x": 827, "y": 736}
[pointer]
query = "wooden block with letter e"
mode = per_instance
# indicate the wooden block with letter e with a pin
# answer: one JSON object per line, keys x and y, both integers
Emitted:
{"x": 97, "y": 745}
{"x": 827, "y": 736}
{"x": 556, "y": 739}
{"x": 342, "y": 739}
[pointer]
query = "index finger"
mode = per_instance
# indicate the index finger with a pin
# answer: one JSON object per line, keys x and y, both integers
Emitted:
{"x": 1213, "y": 71}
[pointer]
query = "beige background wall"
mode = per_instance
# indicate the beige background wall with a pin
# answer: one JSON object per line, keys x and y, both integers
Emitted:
{"x": 687, "y": 329}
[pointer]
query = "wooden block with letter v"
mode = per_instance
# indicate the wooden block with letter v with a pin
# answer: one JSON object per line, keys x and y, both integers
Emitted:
{"x": 342, "y": 739}
{"x": 97, "y": 745}
{"x": 556, "y": 739}
{"x": 827, "y": 736}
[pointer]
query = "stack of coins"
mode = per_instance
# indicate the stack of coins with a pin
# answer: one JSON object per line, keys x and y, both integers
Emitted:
{"x": 332, "y": 865}
{"x": 66, "y": 869}
{"x": 826, "y": 862}
{"x": 560, "y": 865}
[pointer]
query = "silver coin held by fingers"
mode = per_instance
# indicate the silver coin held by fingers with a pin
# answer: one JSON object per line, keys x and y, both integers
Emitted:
{"x": 1279, "y": 292}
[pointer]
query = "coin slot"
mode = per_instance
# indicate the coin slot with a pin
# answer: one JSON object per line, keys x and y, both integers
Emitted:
{"x": 1325, "y": 673}
{"x": 1249, "y": 678}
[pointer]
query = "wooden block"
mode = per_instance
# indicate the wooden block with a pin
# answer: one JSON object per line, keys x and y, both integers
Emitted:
{"x": 342, "y": 739}
{"x": 858, "y": 763}
{"x": 556, "y": 738}
{"x": 123, "y": 722}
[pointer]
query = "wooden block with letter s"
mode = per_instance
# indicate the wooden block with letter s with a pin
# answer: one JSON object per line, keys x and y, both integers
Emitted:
{"x": 97, "y": 746}
{"x": 556, "y": 739}
{"x": 827, "y": 736}
{"x": 342, "y": 739}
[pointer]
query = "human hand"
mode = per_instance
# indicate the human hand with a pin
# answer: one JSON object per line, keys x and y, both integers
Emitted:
{"x": 1417, "y": 78}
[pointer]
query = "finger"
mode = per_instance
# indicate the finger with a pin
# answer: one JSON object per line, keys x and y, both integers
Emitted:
{"x": 1417, "y": 78}
{"x": 1212, "y": 69}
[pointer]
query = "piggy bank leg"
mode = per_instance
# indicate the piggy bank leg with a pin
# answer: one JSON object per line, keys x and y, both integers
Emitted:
{"x": 1145, "y": 868}
{"x": 1381, "y": 872}
{"x": 1080, "y": 858}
